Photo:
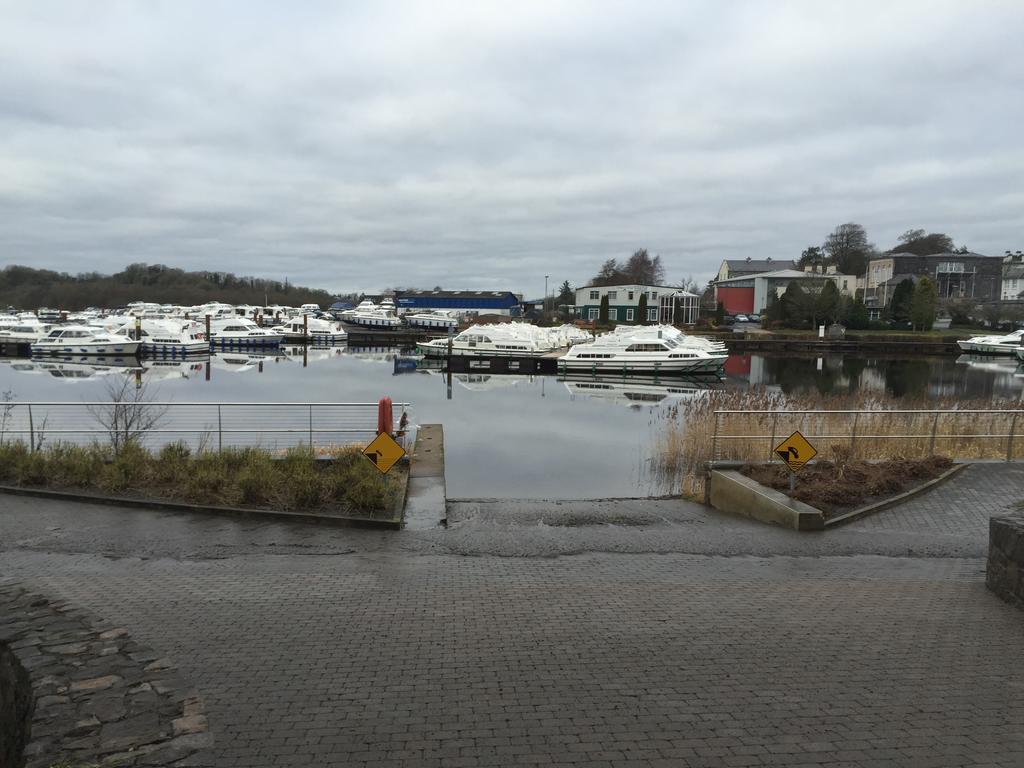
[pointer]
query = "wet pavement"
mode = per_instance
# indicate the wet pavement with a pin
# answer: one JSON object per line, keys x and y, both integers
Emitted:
{"x": 633, "y": 633}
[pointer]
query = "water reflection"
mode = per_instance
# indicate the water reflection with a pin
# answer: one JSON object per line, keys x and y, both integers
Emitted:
{"x": 966, "y": 377}
{"x": 507, "y": 436}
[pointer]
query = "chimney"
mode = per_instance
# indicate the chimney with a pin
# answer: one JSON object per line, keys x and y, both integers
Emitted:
{"x": 748, "y": 259}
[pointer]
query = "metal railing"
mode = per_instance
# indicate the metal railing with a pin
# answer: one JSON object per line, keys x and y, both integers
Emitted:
{"x": 961, "y": 434}
{"x": 200, "y": 425}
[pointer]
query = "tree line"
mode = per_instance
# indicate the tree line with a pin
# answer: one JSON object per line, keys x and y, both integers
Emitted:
{"x": 848, "y": 249}
{"x": 913, "y": 304}
{"x": 27, "y": 288}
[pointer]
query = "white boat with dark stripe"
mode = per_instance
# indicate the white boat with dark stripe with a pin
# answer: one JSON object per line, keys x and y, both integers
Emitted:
{"x": 1007, "y": 344}
{"x": 168, "y": 337}
{"x": 85, "y": 340}
{"x": 624, "y": 353}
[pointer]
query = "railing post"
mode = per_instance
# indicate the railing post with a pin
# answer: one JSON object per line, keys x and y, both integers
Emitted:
{"x": 853, "y": 434}
{"x": 310, "y": 422}
{"x": 31, "y": 432}
{"x": 1009, "y": 443}
{"x": 935, "y": 427}
{"x": 220, "y": 432}
{"x": 771, "y": 441}
{"x": 714, "y": 438}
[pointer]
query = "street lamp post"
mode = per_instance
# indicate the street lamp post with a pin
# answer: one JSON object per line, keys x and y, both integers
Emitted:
{"x": 545, "y": 305}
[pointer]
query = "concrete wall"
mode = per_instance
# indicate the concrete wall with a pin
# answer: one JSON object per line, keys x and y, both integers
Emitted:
{"x": 15, "y": 709}
{"x": 1005, "y": 572}
{"x": 733, "y": 492}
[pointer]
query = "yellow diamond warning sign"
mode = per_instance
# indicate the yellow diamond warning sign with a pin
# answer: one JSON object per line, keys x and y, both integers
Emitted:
{"x": 384, "y": 452}
{"x": 795, "y": 451}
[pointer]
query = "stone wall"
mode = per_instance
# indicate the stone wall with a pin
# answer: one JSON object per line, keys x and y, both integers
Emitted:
{"x": 96, "y": 696}
{"x": 15, "y": 708}
{"x": 1005, "y": 572}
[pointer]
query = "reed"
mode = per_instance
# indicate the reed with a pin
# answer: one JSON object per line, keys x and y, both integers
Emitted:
{"x": 297, "y": 480}
{"x": 686, "y": 439}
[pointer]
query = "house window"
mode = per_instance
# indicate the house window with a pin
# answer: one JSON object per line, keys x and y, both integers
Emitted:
{"x": 630, "y": 295}
{"x": 652, "y": 315}
{"x": 613, "y": 314}
{"x": 629, "y": 315}
{"x": 594, "y": 294}
{"x": 654, "y": 294}
{"x": 594, "y": 313}
{"x": 613, "y": 295}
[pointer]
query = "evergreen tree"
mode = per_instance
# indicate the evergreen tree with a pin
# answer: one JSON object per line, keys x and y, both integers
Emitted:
{"x": 566, "y": 295}
{"x": 826, "y": 303}
{"x": 795, "y": 305}
{"x": 856, "y": 316}
{"x": 923, "y": 304}
{"x": 899, "y": 305}
{"x": 602, "y": 313}
{"x": 641, "y": 309}
{"x": 719, "y": 313}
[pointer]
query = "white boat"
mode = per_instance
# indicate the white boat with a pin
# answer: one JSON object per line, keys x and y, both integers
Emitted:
{"x": 25, "y": 332}
{"x": 640, "y": 353}
{"x": 242, "y": 332}
{"x": 379, "y": 318}
{"x": 499, "y": 340}
{"x": 311, "y": 330}
{"x": 84, "y": 340}
{"x": 1019, "y": 352}
{"x": 168, "y": 337}
{"x": 674, "y": 334}
{"x": 432, "y": 320}
{"x": 993, "y": 345}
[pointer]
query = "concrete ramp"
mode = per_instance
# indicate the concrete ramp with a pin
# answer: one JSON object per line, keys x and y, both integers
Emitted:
{"x": 427, "y": 497}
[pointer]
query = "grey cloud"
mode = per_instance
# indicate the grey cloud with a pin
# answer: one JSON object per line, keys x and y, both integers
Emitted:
{"x": 478, "y": 145}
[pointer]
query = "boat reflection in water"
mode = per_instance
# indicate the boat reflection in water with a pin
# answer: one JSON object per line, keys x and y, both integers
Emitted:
{"x": 638, "y": 392}
{"x": 82, "y": 368}
{"x": 242, "y": 361}
{"x": 180, "y": 368}
{"x": 990, "y": 363}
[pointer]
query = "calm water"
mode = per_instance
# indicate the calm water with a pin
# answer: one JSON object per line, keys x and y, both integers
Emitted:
{"x": 517, "y": 436}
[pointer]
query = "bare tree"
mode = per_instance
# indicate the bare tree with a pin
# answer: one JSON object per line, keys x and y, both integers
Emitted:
{"x": 848, "y": 248}
{"x": 5, "y": 412}
{"x": 130, "y": 414}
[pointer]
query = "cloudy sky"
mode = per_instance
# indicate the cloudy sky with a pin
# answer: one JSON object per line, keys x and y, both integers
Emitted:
{"x": 356, "y": 146}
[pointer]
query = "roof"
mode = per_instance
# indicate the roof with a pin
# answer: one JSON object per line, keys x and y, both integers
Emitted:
{"x": 945, "y": 255}
{"x": 780, "y": 274}
{"x": 759, "y": 265}
{"x": 456, "y": 294}
{"x": 1013, "y": 271}
{"x": 625, "y": 285}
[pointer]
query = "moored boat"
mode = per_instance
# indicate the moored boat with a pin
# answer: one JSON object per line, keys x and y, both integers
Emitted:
{"x": 311, "y": 330}
{"x": 242, "y": 332}
{"x": 640, "y": 353}
{"x": 84, "y": 340}
{"x": 499, "y": 340}
{"x": 1007, "y": 344}
{"x": 435, "y": 320}
{"x": 167, "y": 337}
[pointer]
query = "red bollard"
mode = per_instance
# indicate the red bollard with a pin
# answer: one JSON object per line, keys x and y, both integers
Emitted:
{"x": 385, "y": 423}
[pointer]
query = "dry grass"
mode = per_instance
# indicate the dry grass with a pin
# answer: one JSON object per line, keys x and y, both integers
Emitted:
{"x": 246, "y": 477}
{"x": 687, "y": 442}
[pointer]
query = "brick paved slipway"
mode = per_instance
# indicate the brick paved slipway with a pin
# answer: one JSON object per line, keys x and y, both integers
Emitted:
{"x": 478, "y": 646}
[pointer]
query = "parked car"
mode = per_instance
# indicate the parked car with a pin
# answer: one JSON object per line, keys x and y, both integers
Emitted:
{"x": 728, "y": 320}
{"x": 754, "y": 318}
{"x": 742, "y": 319}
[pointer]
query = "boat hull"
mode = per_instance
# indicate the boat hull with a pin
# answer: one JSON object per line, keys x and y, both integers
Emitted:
{"x": 270, "y": 340}
{"x": 440, "y": 351}
{"x": 105, "y": 349}
{"x": 988, "y": 348}
{"x": 656, "y": 367}
{"x": 172, "y": 349}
